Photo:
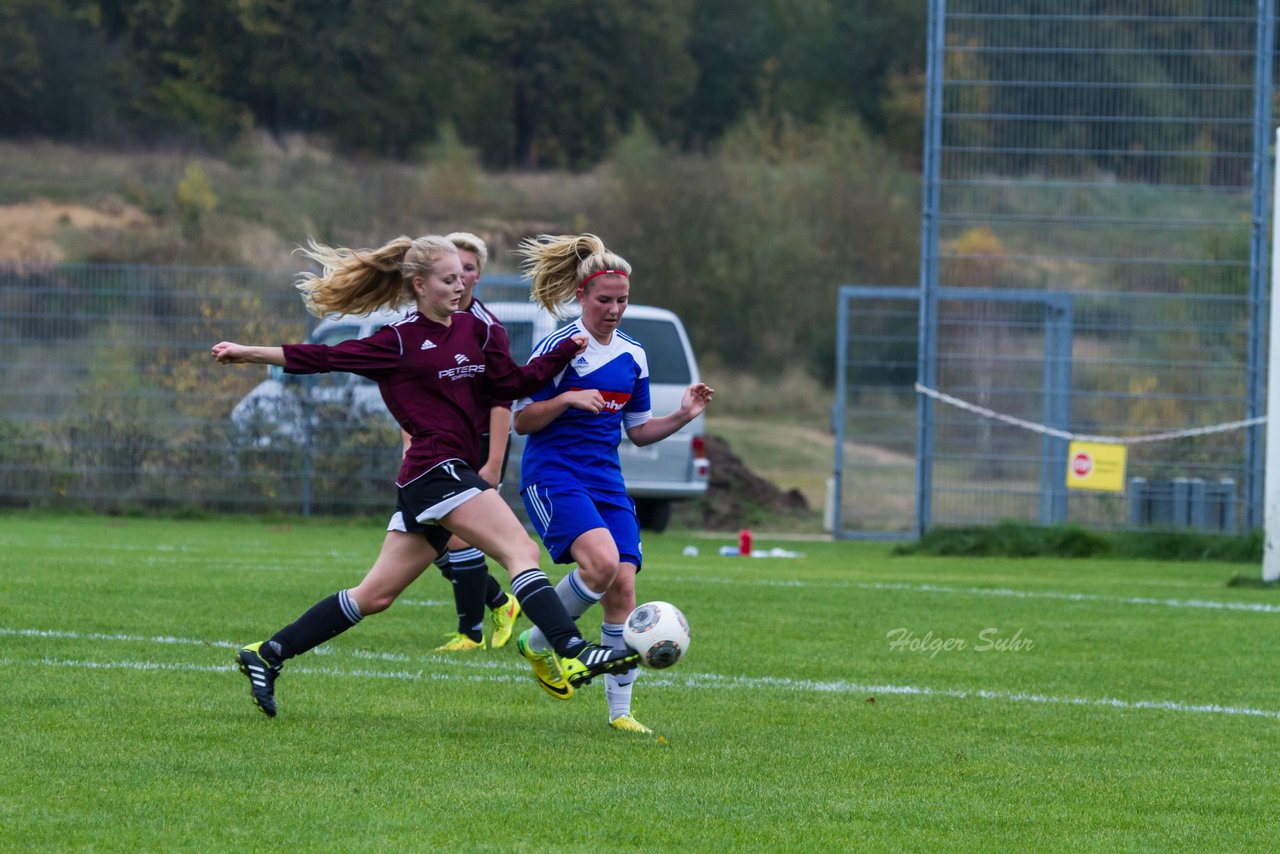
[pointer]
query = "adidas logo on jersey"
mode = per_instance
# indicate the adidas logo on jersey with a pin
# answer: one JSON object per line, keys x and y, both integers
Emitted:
{"x": 428, "y": 345}
{"x": 581, "y": 360}
{"x": 460, "y": 359}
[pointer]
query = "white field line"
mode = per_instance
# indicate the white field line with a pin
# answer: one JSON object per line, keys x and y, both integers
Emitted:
{"x": 693, "y": 681}
{"x": 1211, "y": 604}
{"x": 167, "y": 640}
{"x": 1004, "y": 592}
{"x": 412, "y": 675}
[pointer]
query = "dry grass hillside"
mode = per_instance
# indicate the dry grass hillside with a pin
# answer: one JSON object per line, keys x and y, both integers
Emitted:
{"x": 63, "y": 204}
{"x": 253, "y": 205}
{"x": 37, "y": 231}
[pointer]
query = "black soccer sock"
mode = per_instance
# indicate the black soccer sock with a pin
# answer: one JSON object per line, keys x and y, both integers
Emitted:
{"x": 544, "y": 609}
{"x": 442, "y": 563}
{"x": 326, "y": 619}
{"x": 494, "y": 596}
{"x": 468, "y": 572}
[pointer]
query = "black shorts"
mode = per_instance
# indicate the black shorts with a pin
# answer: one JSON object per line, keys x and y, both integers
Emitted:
{"x": 422, "y": 503}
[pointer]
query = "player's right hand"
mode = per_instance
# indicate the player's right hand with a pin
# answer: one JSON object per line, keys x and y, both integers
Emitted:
{"x": 586, "y": 399}
{"x": 228, "y": 353}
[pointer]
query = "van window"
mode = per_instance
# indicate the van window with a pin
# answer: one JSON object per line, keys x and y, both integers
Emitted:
{"x": 337, "y": 334}
{"x": 662, "y": 345}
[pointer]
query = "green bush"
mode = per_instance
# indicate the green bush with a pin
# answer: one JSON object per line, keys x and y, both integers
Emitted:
{"x": 1015, "y": 539}
{"x": 25, "y": 461}
{"x": 195, "y": 199}
{"x": 750, "y": 244}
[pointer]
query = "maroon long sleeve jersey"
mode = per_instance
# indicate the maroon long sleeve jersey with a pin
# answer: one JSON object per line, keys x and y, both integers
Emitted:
{"x": 436, "y": 380}
{"x": 499, "y": 332}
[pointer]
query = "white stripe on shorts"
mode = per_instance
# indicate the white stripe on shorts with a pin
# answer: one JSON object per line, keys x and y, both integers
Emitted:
{"x": 543, "y": 510}
{"x": 436, "y": 512}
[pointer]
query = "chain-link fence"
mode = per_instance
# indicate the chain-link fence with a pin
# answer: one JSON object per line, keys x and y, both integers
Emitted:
{"x": 1102, "y": 162}
{"x": 110, "y": 400}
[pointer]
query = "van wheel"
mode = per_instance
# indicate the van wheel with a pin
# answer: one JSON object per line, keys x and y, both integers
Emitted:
{"x": 654, "y": 514}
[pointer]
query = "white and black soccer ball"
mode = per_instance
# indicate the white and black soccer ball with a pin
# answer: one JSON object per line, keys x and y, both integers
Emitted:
{"x": 659, "y": 632}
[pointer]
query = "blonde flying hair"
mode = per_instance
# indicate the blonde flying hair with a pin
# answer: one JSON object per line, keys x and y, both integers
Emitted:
{"x": 559, "y": 264}
{"x": 468, "y": 242}
{"x": 359, "y": 281}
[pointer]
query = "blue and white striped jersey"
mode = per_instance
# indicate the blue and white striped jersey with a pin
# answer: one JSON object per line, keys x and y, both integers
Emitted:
{"x": 578, "y": 446}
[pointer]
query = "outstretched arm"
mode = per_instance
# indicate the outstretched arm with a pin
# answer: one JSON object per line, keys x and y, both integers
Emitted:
{"x": 692, "y": 404}
{"x": 505, "y": 380}
{"x": 228, "y": 353}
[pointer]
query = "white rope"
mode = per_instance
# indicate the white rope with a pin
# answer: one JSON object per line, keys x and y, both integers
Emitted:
{"x": 1082, "y": 437}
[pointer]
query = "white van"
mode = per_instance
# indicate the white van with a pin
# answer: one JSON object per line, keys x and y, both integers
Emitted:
{"x": 279, "y": 409}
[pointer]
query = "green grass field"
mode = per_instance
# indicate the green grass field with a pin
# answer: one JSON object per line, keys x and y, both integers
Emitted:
{"x": 1120, "y": 706}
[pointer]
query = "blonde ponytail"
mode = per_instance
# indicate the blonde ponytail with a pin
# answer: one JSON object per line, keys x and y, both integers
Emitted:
{"x": 360, "y": 281}
{"x": 559, "y": 264}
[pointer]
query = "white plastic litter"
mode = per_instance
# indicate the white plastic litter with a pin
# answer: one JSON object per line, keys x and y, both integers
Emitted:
{"x": 732, "y": 551}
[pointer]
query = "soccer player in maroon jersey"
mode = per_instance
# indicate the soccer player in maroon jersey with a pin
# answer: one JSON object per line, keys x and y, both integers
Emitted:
{"x": 435, "y": 370}
{"x": 462, "y": 564}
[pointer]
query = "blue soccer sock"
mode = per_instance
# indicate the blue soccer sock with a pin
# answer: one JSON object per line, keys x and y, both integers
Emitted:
{"x": 576, "y": 598}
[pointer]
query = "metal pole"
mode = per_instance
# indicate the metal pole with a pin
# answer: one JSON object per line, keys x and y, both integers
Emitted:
{"x": 307, "y": 422}
{"x": 1262, "y": 92}
{"x": 926, "y": 366}
{"x": 1059, "y": 320}
{"x": 842, "y": 379}
{"x": 1271, "y": 547}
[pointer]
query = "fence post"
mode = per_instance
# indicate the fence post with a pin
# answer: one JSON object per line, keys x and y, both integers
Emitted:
{"x": 1138, "y": 509}
{"x": 1197, "y": 509}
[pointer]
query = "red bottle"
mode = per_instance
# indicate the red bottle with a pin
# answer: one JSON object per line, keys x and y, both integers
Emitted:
{"x": 744, "y": 543}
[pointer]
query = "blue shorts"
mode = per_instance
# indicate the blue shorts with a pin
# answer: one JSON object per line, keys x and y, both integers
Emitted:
{"x": 563, "y": 512}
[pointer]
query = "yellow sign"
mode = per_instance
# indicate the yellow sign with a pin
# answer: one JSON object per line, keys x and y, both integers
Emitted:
{"x": 1096, "y": 466}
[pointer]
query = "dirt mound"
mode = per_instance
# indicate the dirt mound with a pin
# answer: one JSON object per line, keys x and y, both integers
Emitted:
{"x": 736, "y": 496}
{"x": 29, "y": 231}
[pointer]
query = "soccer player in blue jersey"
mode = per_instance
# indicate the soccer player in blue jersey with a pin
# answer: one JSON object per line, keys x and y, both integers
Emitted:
{"x": 437, "y": 370}
{"x": 571, "y": 480}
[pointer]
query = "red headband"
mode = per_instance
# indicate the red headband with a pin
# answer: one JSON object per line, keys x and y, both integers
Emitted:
{"x": 622, "y": 273}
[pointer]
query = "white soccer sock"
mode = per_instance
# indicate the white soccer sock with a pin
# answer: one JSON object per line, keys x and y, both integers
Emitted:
{"x": 617, "y": 689}
{"x": 576, "y": 598}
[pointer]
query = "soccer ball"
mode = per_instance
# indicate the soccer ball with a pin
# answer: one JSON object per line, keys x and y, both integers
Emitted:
{"x": 659, "y": 632}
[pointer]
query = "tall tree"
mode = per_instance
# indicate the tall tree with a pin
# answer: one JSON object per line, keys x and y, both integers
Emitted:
{"x": 579, "y": 70}
{"x": 842, "y": 53}
{"x": 61, "y": 74}
{"x": 730, "y": 44}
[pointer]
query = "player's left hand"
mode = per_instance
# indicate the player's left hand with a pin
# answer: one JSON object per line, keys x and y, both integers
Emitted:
{"x": 489, "y": 473}
{"x": 696, "y": 397}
